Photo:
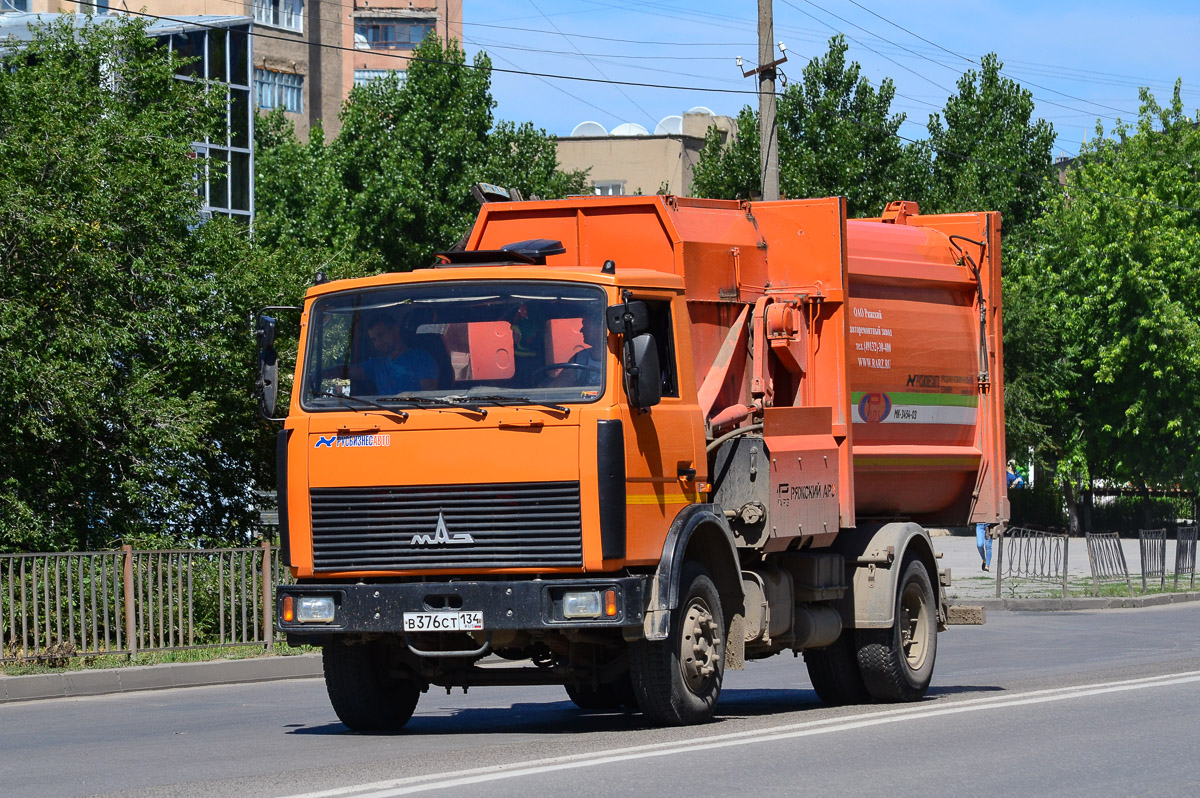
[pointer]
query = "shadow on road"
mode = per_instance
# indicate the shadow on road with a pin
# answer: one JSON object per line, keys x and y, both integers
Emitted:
{"x": 961, "y": 689}
{"x": 553, "y": 717}
{"x": 563, "y": 717}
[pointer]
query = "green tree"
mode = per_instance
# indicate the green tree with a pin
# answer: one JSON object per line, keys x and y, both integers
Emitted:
{"x": 1114, "y": 267}
{"x": 730, "y": 170}
{"x": 989, "y": 152}
{"x": 394, "y": 187}
{"x": 123, "y": 319}
{"x": 837, "y": 136}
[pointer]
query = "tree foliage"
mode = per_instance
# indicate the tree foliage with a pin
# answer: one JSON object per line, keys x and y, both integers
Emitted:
{"x": 989, "y": 151}
{"x": 1113, "y": 269}
{"x": 122, "y": 318}
{"x": 394, "y": 187}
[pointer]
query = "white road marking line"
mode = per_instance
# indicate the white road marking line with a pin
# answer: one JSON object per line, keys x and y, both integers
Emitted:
{"x": 441, "y": 781}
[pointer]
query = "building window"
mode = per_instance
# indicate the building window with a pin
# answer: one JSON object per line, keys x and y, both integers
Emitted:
{"x": 609, "y": 188}
{"x": 392, "y": 34}
{"x": 365, "y": 76}
{"x": 287, "y": 14}
{"x": 279, "y": 90}
{"x": 14, "y": 5}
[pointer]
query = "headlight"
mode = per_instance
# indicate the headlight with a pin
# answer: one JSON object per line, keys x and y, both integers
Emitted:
{"x": 582, "y": 604}
{"x": 315, "y": 609}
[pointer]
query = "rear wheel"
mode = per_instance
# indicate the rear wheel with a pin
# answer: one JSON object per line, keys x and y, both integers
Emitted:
{"x": 897, "y": 663}
{"x": 678, "y": 680}
{"x": 366, "y": 692}
{"x": 834, "y": 673}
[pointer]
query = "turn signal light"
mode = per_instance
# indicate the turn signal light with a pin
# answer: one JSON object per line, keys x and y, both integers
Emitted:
{"x": 289, "y": 612}
{"x": 610, "y": 603}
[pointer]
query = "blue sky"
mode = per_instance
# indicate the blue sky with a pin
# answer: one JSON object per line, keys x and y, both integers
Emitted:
{"x": 1082, "y": 61}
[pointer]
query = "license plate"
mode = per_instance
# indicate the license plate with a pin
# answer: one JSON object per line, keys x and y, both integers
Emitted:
{"x": 443, "y": 621}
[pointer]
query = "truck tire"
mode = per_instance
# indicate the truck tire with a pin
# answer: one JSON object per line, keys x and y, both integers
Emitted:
{"x": 365, "y": 694}
{"x": 677, "y": 681}
{"x": 897, "y": 663}
{"x": 607, "y": 696}
{"x": 834, "y": 672}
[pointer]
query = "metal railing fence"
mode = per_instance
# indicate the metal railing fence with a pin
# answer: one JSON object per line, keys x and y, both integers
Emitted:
{"x": 1032, "y": 555}
{"x": 54, "y": 606}
{"x": 1152, "y": 543}
{"x": 1107, "y": 560}
{"x": 1185, "y": 555}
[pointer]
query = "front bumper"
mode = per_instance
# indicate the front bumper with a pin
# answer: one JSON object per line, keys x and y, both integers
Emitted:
{"x": 529, "y": 604}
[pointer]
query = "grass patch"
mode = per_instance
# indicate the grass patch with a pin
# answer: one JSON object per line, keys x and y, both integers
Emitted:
{"x": 1080, "y": 586}
{"x": 101, "y": 661}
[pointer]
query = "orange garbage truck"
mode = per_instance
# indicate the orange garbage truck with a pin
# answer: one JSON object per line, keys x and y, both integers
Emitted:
{"x": 622, "y": 444}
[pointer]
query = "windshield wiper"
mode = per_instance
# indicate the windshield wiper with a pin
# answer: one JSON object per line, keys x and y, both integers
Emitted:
{"x": 429, "y": 401}
{"x": 519, "y": 400}
{"x": 393, "y": 411}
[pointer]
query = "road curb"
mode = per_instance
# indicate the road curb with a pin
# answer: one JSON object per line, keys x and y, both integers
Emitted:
{"x": 72, "y": 684}
{"x": 1081, "y": 603}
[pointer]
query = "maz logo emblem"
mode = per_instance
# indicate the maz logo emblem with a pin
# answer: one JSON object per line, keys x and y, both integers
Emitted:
{"x": 441, "y": 536}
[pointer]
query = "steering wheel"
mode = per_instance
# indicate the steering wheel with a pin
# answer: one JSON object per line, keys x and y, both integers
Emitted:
{"x": 540, "y": 374}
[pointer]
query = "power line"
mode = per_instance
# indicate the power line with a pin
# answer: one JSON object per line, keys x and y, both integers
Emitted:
{"x": 485, "y": 43}
{"x": 632, "y": 101}
{"x": 411, "y": 58}
{"x": 610, "y": 39}
{"x": 948, "y": 153}
{"x": 564, "y": 91}
{"x": 972, "y": 61}
{"x": 930, "y": 60}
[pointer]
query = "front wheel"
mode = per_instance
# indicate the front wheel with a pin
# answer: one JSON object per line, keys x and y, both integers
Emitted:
{"x": 897, "y": 663}
{"x": 677, "y": 681}
{"x": 366, "y": 693}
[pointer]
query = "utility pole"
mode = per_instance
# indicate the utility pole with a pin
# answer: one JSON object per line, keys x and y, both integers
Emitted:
{"x": 768, "y": 131}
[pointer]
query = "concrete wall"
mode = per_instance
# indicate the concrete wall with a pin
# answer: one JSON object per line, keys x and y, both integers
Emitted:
{"x": 642, "y": 164}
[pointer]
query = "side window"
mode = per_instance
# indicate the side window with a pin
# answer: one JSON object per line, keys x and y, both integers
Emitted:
{"x": 661, "y": 329}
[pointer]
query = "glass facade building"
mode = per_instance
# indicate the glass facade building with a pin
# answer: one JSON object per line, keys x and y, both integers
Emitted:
{"x": 220, "y": 49}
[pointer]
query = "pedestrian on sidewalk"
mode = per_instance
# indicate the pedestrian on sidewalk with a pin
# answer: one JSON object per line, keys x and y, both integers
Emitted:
{"x": 983, "y": 542}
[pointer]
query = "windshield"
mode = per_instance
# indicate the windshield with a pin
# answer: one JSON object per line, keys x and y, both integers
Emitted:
{"x": 500, "y": 341}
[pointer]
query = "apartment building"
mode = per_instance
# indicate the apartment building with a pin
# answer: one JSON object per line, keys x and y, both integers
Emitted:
{"x": 307, "y": 54}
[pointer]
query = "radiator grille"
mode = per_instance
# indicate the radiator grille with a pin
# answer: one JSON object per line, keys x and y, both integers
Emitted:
{"x": 519, "y": 525}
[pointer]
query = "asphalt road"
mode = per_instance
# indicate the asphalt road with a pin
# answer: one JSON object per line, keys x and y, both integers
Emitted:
{"x": 1083, "y": 703}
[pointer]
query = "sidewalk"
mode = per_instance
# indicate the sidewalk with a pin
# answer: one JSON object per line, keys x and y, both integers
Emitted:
{"x": 971, "y": 585}
{"x": 104, "y": 681}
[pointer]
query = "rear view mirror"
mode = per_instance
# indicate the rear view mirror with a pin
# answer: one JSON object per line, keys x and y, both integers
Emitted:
{"x": 264, "y": 331}
{"x": 629, "y": 318}
{"x": 643, "y": 376}
{"x": 267, "y": 384}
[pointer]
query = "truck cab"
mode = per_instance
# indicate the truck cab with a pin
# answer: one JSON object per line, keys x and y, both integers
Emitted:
{"x": 461, "y": 467}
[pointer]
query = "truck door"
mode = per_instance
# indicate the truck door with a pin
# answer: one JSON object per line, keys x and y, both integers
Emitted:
{"x": 664, "y": 455}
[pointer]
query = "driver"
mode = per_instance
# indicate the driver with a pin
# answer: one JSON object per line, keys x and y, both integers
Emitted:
{"x": 397, "y": 369}
{"x": 587, "y": 365}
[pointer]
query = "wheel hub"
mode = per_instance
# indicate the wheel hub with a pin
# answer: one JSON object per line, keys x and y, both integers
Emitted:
{"x": 914, "y": 627}
{"x": 700, "y": 646}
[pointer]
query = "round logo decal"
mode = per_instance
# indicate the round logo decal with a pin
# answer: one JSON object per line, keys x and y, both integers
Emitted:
{"x": 874, "y": 407}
